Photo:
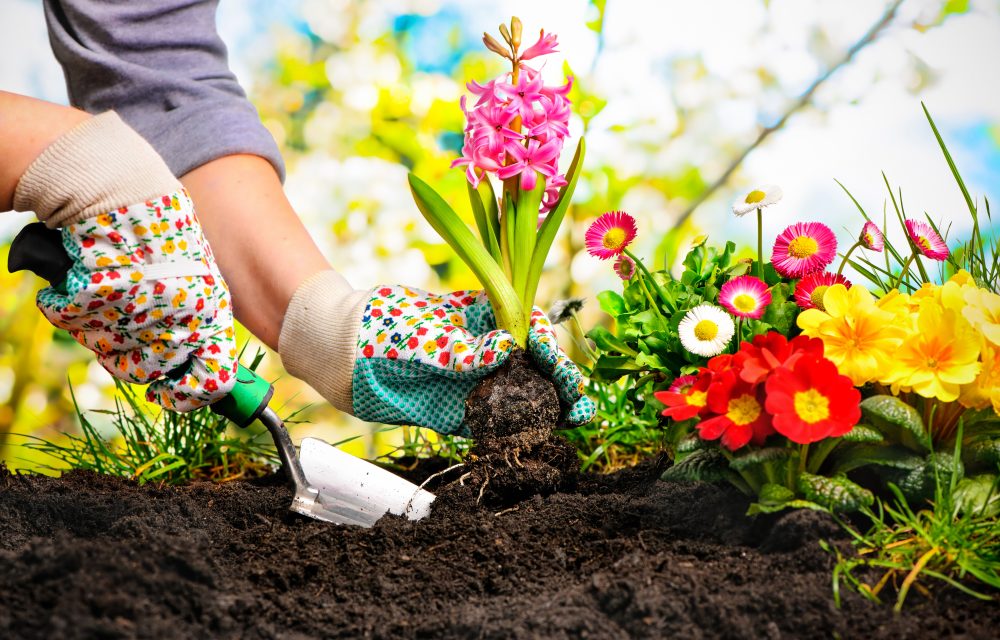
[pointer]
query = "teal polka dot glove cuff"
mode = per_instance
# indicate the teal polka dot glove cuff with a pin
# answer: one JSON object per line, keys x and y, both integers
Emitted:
{"x": 419, "y": 355}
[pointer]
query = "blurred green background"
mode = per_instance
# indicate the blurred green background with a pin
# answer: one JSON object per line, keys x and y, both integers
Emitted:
{"x": 684, "y": 104}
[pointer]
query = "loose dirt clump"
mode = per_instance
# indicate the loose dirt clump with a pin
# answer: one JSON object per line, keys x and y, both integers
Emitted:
{"x": 511, "y": 414}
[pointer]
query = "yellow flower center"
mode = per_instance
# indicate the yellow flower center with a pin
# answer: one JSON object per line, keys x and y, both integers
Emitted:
{"x": 697, "y": 398}
{"x": 755, "y": 196}
{"x": 816, "y": 297}
{"x": 924, "y": 242}
{"x": 745, "y": 303}
{"x": 812, "y": 406}
{"x": 743, "y": 410}
{"x": 802, "y": 247}
{"x": 614, "y": 239}
{"x": 706, "y": 330}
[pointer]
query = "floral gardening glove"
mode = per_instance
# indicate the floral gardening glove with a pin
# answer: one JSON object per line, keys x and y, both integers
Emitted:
{"x": 146, "y": 296}
{"x": 419, "y": 355}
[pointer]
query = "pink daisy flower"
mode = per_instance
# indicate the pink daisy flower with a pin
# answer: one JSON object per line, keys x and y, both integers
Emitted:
{"x": 610, "y": 234}
{"x": 871, "y": 237}
{"x": 803, "y": 248}
{"x": 927, "y": 240}
{"x": 810, "y": 289}
{"x": 745, "y": 297}
{"x": 625, "y": 267}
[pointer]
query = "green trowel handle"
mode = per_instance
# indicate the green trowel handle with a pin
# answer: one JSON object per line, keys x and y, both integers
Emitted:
{"x": 247, "y": 400}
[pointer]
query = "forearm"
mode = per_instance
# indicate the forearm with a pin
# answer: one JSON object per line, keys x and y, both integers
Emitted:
{"x": 262, "y": 248}
{"x": 27, "y": 127}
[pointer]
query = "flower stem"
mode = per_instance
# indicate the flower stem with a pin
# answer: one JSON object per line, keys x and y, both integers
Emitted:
{"x": 848, "y": 255}
{"x": 803, "y": 454}
{"x": 649, "y": 296}
{"x": 903, "y": 270}
{"x": 760, "y": 244}
{"x": 661, "y": 294}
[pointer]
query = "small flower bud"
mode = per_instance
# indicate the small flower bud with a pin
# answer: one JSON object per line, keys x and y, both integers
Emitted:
{"x": 505, "y": 33}
{"x": 495, "y": 46}
{"x": 515, "y": 32}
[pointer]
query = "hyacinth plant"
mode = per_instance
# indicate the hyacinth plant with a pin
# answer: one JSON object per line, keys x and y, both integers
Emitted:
{"x": 785, "y": 378}
{"x": 516, "y": 127}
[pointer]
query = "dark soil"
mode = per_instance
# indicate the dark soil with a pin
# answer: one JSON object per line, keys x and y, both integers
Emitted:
{"x": 511, "y": 414}
{"x": 86, "y": 556}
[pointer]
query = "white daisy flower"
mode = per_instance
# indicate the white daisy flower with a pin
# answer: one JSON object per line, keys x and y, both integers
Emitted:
{"x": 706, "y": 330}
{"x": 758, "y": 198}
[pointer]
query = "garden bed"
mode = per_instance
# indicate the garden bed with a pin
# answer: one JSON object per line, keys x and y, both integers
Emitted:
{"x": 624, "y": 556}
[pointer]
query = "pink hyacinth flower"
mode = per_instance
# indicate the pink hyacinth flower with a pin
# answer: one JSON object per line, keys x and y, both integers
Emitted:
{"x": 803, "y": 248}
{"x": 490, "y": 128}
{"x": 610, "y": 234}
{"x": 745, "y": 297}
{"x": 546, "y": 44}
{"x": 536, "y": 157}
{"x": 810, "y": 290}
{"x": 926, "y": 240}
{"x": 522, "y": 96}
{"x": 871, "y": 237}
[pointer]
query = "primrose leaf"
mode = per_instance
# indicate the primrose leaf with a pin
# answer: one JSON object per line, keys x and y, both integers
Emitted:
{"x": 759, "y": 456}
{"x": 861, "y": 455}
{"x": 706, "y": 465}
{"x": 982, "y": 453}
{"x": 979, "y": 495}
{"x": 919, "y": 484}
{"x": 897, "y": 421}
{"x": 836, "y": 493}
{"x": 776, "y": 497}
{"x": 862, "y": 433}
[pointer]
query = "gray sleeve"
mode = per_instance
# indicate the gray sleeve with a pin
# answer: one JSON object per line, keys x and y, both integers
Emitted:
{"x": 163, "y": 67}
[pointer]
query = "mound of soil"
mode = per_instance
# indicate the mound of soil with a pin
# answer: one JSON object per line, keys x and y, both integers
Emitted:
{"x": 86, "y": 556}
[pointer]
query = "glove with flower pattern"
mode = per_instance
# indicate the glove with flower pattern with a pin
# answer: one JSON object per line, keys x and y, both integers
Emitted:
{"x": 143, "y": 292}
{"x": 419, "y": 355}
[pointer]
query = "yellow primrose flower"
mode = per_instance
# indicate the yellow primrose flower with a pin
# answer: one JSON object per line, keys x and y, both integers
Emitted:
{"x": 938, "y": 357}
{"x": 983, "y": 311}
{"x": 985, "y": 390}
{"x": 858, "y": 336}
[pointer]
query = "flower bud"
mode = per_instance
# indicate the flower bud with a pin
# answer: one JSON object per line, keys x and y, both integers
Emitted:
{"x": 495, "y": 46}
{"x": 515, "y": 32}
{"x": 505, "y": 33}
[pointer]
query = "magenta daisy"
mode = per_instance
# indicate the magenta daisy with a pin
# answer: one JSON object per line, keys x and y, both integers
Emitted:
{"x": 610, "y": 234}
{"x": 745, "y": 297}
{"x": 625, "y": 267}
{"x": 810, "y": 289}
{"x": 803, "y": 248}
{"x": 871, "y": 237}
{"x": 926, "y": 239}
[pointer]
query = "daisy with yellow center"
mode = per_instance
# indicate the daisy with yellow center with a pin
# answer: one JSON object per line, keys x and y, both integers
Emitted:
{"x": 706, "y": 330}
{"x": 757, "y": 198}
{"x": 745, "y": 297}
{"x": 803, "y": 248}
{"x": 610, "y": 234}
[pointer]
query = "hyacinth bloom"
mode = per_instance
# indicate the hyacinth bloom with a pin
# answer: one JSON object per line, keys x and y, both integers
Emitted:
{"x": 517, "y": 127}
{"x": 745, "y": 297}
{"x": 871, "y": 237}
{"x": 812, "y": 401}
{"x": 756, "y": 360}
{"x": 810, "y": 290}
{"x": 803, "y": 248}
{"x": 734, "y": 413}
{"x": 706, "y": 330}
{"x": 686, "y": 397}
{"x": 757, "y": 198}
{"x": 927, "y": 241}
{"x": 625, "y": 267}
{"x": 610, "y": 234}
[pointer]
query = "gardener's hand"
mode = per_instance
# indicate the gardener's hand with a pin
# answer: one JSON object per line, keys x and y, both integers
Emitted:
{"x": 144, "y": 293}
{"x": 415, "y": 355}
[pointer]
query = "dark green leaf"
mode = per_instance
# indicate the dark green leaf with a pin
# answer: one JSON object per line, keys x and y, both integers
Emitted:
{"x": 836, "y": 493}
{"x": 896, "y": 420}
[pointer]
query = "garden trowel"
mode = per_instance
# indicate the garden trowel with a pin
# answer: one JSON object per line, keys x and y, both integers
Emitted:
{"x": 330, "y": 485}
